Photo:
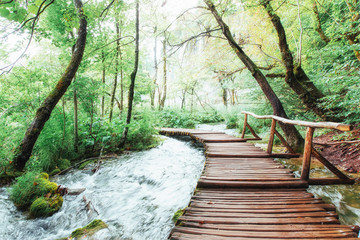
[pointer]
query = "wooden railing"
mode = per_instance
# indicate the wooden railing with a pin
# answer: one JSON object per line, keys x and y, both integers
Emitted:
{"x": 309, "y": 150}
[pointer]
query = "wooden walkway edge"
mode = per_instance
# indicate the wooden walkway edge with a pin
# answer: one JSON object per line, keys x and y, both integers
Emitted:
{"x": 244, "y": 194}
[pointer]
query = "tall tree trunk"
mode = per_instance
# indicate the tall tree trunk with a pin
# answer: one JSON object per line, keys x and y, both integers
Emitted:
{"x": 318, "y": 26}
{"x": 163, "y": 98}
{"x": 76, "y": 128}
{"x": 132, "y": 80}
{"x": 225, "y": 97}
{"x": 103, "y": 82}
{"x": 152, "y": 93}
{"x": 183, "y": 99}
{"x": 296, "y": 77}
{"x": 352, "y": 36}
{"x": 24, "y": 150}
{"x": 121, "y": 108}
{"x": 91, "y": 117}
{"x": 112, "y": 101}
{"x": 292, "y": 135}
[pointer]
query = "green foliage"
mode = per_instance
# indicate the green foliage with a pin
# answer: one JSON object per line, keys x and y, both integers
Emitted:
{"x": 142, "y": 132}
{"x": 46, "y": 206}
{"x": 29, "y": 187}
{"x": 63, "y": 164}
{"x": 176, "y": 119}
{"x": 185, "y": 119}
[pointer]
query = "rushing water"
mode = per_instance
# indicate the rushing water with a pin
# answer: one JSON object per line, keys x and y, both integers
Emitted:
{"x": 346, "y": 198}
{"x": 136, "y": 195}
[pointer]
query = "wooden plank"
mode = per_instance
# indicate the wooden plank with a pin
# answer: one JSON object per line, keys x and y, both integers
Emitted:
{"x": 259, "y": 215}
{"x": 184, "y": 236}
{"x": 263, "y": 202}
{"x": 327, "y": 207}
{"x": 252, "y": 184}
{"x": 269, "y": 228}
{"x": 244, "y": 194}
{"x": 261, "y": 221}
{"x": 284, "y": 235}
{"x": 285, "y": 210}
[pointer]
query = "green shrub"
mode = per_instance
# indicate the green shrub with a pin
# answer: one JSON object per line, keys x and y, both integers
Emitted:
{"x": 63, "y": 164}
{"x": 29, "y": 187}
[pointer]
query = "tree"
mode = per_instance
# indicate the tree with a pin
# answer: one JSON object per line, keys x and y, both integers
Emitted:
{"x": 291, "y": 133}
{"x": 24, "y": 150}
{"x": 295, "y": 76}
{"x": 164, "y": 91}
{"x": 132, "y": 80}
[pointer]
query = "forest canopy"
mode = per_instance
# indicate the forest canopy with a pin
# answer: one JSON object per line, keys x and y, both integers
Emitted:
{"x": 199, "y": 61}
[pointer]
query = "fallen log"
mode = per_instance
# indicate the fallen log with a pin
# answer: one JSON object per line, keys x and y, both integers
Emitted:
{"x": 337, "y": 143}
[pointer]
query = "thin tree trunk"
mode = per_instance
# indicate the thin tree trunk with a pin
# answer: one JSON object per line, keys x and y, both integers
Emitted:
{"x": 152, "y": 93}
{"x": 296, "y": 77}
{"x": 103, "y": 81}
{"x": 183, "y": 99}
{"x": 132, "y": 81}
{"x": 224, "y": 97}
{"x": 24, "y": 150}
{"x": 76, "y": 128}
{"x": 121, "y": 108}
{"x": 163, "y": 98}
{"x": 91, "y": 117}
{"x": 318, "y": 26}
{"x": 64, "y": 126}
{"x": 292, "y": 135}
{"x": 112, "y": 101}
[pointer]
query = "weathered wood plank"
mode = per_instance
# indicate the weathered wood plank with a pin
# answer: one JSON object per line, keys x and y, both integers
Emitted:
{"x": 285, "y": 235}
{"x": 244, "y": 194}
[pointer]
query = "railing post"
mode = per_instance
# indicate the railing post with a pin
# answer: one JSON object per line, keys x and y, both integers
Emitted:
{"x": 305, "y": 172}
{"x": 244, "y": 128}
{"x": 271, "y": 138}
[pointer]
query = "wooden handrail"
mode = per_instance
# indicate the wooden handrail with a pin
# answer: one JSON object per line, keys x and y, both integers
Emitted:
{"x": 331, "y": 125}
{"x": 309, "y": 150}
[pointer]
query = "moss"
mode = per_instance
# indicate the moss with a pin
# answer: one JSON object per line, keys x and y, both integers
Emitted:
{"x": 44, "y": 176}
{"x": 83, "y": 165}
{"x": 29, "y": 187}
{"x": 63, "y": 164}
{"x": 178, "y": 214}
{"x": 55, "y": 171}
{"x": 44, "y": 207}
{"x": 89, "y": 229}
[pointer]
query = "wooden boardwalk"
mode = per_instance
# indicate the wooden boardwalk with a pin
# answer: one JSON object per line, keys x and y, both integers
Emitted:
{"x": 244, "y": 194}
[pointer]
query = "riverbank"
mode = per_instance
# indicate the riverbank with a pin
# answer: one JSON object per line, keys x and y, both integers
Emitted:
{"x": 341, "y": 148}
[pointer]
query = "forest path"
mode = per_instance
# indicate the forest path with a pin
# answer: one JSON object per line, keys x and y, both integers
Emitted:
{"x": 244, "y": 194}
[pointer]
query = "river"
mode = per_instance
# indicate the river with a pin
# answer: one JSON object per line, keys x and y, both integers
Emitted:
{"x": 136, "y": 195}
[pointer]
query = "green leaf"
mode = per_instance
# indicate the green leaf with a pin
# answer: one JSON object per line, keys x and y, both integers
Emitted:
{"x": 4, "y": 12}
{"x": 33, "y": 8}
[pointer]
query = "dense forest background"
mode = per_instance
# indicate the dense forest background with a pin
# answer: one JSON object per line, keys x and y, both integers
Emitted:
{"x": 189, "y": 69}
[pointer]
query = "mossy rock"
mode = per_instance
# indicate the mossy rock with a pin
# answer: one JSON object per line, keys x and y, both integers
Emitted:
{"x": 89, "y": 229}
{"x": 29, "y": 187}
{"x": 44, "y": 207}
{"x": 63, "y": 164}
